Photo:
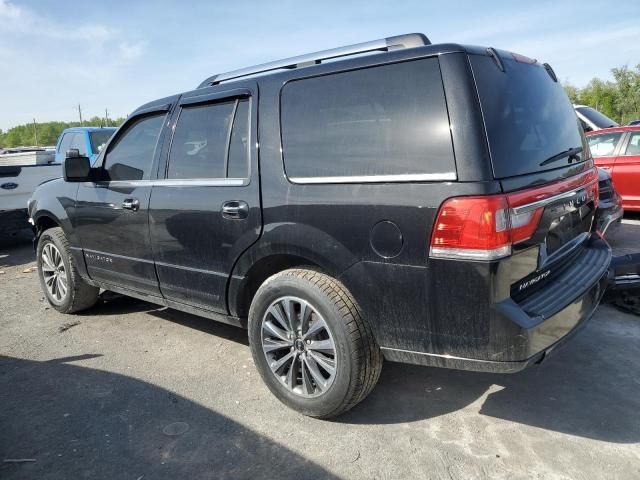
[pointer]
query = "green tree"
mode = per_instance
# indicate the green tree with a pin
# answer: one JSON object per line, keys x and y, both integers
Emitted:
{"x": 618, "y": 99}
{"x": 48, "y": 132}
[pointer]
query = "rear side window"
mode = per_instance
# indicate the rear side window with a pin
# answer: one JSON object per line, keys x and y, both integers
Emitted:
{"x": 199, "y": 145}
{"x": 528, "y": 117}
{"x": 633, "y": 147}
{"x": 605, "y": 144}
{"x": 382, "y": 121}
{"x": 131, "y": 156}
{"x": 238, "y": 165}
{"x": 206, "y": 146}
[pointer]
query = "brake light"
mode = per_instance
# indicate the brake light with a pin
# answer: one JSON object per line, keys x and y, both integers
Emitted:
{"x": 485, "y": 227}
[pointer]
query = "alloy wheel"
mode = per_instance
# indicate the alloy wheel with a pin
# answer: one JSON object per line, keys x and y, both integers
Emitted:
{"x": 53, "y": 272}
{"x": 299, "y": 347}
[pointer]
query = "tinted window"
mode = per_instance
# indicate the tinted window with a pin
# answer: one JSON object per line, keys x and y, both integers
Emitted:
{"x": 388, "y": 120}
{"x": 528, "y": 116}
{"x": 79, "y": 141}
{"x": 65, "y": 142}
{"x": 598, "y": 119}
{"x": 199, "y": 145}
{"x": 99, "y": 138}
{"x": 633, "y": 147}
{"x": 131, "y": 156}
{"x": 238, "y": 166}
{"x": 603, "y": 145}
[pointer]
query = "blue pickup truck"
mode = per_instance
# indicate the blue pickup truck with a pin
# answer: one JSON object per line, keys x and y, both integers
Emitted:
{"x": 88, "y": 140}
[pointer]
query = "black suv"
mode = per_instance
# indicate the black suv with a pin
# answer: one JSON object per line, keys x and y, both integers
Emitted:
{"x": 428, "y": 204}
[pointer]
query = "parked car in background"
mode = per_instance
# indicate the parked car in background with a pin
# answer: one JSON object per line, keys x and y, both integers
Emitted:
{"x": 617, "y": 150}
{"x": 22, "y": 169}
{"x": 591, "y": 119}
{"x": 634, "y": 122}
{"x": 89, "y": 141}
{"x": 610, "y": 211}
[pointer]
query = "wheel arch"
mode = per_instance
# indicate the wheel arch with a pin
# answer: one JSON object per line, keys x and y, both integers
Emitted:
{"x": 243, "y": 289}
{"x": 284, "y": 245}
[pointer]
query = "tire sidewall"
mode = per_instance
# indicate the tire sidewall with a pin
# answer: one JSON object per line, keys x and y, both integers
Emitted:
{"x": 334, "y": 397}
{"x": 46, "y": 238}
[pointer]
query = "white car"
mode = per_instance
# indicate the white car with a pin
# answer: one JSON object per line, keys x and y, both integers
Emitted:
{"x": 591, "y": 119}
{"x": 21, "y": 171}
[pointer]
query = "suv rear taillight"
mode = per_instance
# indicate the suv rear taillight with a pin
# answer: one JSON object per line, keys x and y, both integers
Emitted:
{"x": 485, "y": 227}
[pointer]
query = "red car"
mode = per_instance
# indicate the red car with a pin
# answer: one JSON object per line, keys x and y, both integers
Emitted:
{"x": 617, "y": 150}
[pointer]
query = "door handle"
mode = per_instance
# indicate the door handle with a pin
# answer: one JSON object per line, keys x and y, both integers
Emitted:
{"x": 235, "y": 209}
{"x": 131, "y": 204}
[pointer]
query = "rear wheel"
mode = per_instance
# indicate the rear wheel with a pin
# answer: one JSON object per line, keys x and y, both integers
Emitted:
{"x": 310, "y": 343}
{"x": 65, "y": 290}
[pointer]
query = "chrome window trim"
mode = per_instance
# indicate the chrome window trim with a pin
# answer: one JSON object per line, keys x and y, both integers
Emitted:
{"x": 420, "y": 177}
{"x": 187, "y": 182}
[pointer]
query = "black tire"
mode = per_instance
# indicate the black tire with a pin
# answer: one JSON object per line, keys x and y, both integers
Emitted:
{"x": 358, "y": 357}
{"x": 79, "y": 294}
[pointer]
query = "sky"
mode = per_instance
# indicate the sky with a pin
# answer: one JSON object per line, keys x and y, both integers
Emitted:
{"x": 118, "y": 55}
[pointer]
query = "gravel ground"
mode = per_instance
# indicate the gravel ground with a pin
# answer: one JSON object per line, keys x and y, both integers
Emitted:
{"x": 132, "y": 391}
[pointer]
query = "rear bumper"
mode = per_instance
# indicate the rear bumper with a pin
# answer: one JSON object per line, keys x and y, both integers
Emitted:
{"x": 539, "y": 339}
{"x": 525, "y": 333}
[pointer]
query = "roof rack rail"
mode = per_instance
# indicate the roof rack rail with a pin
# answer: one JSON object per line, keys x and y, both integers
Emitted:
{"x": 410, "y": 40}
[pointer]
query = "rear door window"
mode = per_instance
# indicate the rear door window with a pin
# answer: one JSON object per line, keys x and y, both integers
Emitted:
{"x": 528, "y": 117}
{"x": 387, "y": 121}
{"x": 604, "y": 145}
{"x": 633, "y": 147}
{"x": 211, "y": 141}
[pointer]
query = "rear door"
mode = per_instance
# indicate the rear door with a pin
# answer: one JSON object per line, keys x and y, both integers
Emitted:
{"x": 112, "y": 212}
{"x": 541, "y": 157}
{"x": 626, "y": 172}
{"x": 206, "y": 210}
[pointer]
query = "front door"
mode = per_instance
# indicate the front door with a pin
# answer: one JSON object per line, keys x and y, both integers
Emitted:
{"x": 112, "y": 213}
{"x": 206, "y": 211}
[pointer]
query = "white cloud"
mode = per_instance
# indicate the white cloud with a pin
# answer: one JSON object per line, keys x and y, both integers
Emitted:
{"x": 8, "y": 10}
{"x": 130, "y": 51}
{"x": 56, "y": 65}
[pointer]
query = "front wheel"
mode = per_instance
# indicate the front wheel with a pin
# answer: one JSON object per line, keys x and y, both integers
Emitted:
{"x": 66, "y": 291}
{"x": 310, "y": 343}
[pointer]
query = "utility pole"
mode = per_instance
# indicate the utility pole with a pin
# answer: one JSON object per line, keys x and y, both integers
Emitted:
{"x": 106, "y": 117}
{"x": 35, "y": 131}
{"x": 80, "y": 114}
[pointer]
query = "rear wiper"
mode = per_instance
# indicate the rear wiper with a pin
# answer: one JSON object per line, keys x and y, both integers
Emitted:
{"x": 572, "y": 152}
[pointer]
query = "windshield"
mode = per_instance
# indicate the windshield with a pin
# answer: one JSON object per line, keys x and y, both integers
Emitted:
{"x": 99, "y": 139}
{"x": 597, "y": 118}
{"x": 528, "y": 117}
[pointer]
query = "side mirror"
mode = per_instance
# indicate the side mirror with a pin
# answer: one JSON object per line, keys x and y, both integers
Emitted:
{"x": 76, "y": 168}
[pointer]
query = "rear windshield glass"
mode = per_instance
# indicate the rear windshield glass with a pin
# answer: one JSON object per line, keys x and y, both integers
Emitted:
{"x": 99, "y": 138}
{"x": 528, "y": 117}
{"x": 598, "y": 119}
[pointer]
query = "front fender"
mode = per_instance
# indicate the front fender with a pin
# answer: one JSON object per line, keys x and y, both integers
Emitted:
{"x": 54, "y": 202}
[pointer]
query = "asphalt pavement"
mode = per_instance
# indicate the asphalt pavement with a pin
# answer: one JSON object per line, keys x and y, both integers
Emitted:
{"x": 128, "y": 390}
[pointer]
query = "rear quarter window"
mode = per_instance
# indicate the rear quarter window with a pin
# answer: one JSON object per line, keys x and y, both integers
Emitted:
{"x": 380, "y": 121}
